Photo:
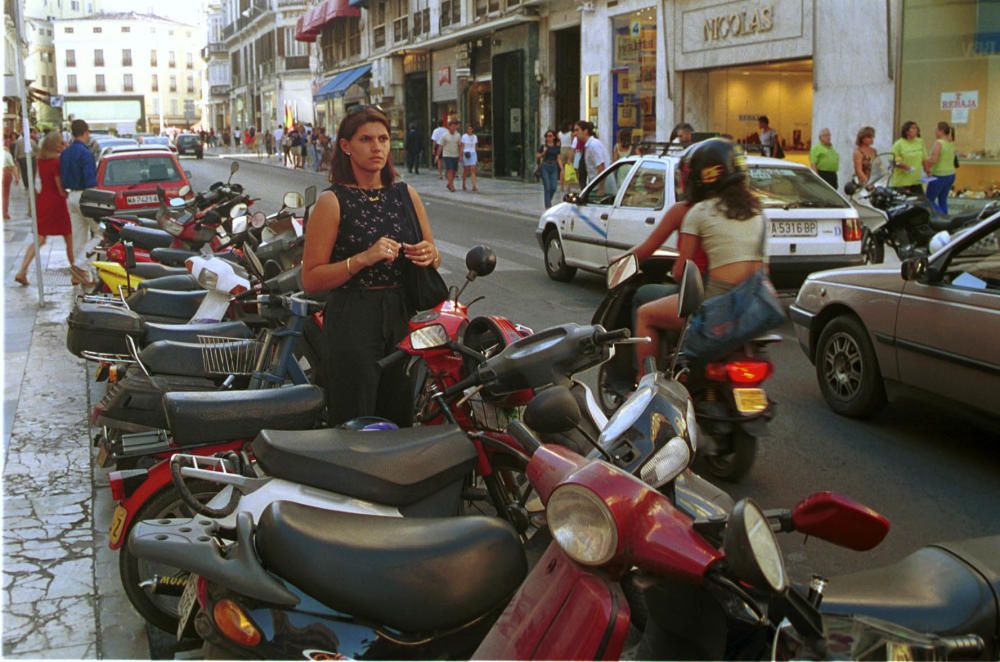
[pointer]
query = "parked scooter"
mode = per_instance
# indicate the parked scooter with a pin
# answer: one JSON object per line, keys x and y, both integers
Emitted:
{"x": 730, "y": 401}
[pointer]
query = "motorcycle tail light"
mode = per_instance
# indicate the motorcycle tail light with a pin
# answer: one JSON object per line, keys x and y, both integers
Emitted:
{"x": 716, "y": 372}
{"x": 748, "y": 372}
{"x": 234, "y": 623}
{"x": 238, "y": 289}
{"x": 852, "y": 229}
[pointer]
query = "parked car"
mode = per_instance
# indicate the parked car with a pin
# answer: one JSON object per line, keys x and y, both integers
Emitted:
{"x": 135, "y": 174}
{"x": 99, "y": 142}
{"x": 932, "y": 324}
{"x": 813, "y": 226}
{"x": 158, "y": 141}
{"x": 189, "y": 143}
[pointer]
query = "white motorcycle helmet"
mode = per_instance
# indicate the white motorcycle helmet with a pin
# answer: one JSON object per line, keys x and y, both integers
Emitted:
{"x": 939, "y": 241}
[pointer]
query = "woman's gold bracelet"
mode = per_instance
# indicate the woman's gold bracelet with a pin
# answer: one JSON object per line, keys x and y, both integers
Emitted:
{"x": 349, "y": 267}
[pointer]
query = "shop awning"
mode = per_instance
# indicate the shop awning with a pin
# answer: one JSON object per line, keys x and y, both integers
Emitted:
{"x": 310, "y": 24}
{"x": 338, "y": 84}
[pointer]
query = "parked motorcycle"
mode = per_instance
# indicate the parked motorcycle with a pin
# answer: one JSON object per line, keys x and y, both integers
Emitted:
{"x": 731, "y": 404}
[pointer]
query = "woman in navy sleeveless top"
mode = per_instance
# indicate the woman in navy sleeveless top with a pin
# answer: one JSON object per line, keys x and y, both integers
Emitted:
{"x": 357, "y": 238}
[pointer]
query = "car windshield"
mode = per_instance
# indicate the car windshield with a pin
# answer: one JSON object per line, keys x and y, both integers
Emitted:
{"x": 791, "y": 188}
{"x": 187, "y": 139}
{"x": 139, "y": 170}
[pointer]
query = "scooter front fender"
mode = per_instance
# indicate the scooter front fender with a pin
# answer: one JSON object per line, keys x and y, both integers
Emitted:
{"x": 159, "y": 477}
{"x": 562, "y": 611}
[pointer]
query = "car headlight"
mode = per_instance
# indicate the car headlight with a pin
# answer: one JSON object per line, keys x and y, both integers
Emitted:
{"x": 694, "y": 432}
{"x": 582, "y": 524}
{"x": 208, "y": 279}
{"x": 427, "y": 337}
{"x": 666, "y": 463}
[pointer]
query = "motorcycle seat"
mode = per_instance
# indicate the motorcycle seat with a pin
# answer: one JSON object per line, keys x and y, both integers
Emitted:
{"x": 190, "y": 332}
{"x": 931, "y": 590}
{"x": 178, "y": 283}
{"x": 389, "y": 467}
{"x": 173, "y": 257}
{"x": 148, "y": 238}
{"x": 138, "y": 220}
{"x": 165, "y": 357}
{"x": 166, "y": 305}
{"x": 433, "y": 574}
{"x": 241, "y": 414}
{"x": 156, "y": 270}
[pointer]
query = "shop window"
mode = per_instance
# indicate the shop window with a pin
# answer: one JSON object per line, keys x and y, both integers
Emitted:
{"x": 173, "y": 83}
{"x": 401, "y": 29}
{"x": 482, "y": 8}
{"x": 951, "y": 73}
{"x": 190, "y": 60}
{"x": 152, "y": 58}
{"x": 378, "y": 24}
{"x": 172, "y": 59}
{"x": 633, "y": 102}
{"x": 155, "y": 83}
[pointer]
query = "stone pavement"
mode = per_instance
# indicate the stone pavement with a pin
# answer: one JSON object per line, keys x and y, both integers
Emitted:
{"x": 519, "y": 198}
{"x": 61, "y": 594}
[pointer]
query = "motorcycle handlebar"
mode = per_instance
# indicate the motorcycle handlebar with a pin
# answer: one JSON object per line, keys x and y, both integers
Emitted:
{"x": 604, "y": 337}
{"x": 460, "y": 386}
{"x": 391, "y": 359}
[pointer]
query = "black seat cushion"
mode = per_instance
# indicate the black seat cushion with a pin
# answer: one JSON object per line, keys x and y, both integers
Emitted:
{"x": 148, "y": 238}
{"x": 196, "y": 418}
{"x": 171, "y": 256}
{"x": 415, "y": 575}
{"x": 156, "y": 270}
{"x": 153, "y": 303}
{"x": 166, "y": 357}
{"x": 390, "y": 467}
{"x": 190, "y": 332}
{"x": 931, "y": 590}
{"x": 178, "y": 283}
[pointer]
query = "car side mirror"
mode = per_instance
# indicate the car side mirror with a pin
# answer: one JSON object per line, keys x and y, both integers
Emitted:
{"x": 692, "y": 291}
{"x": 913, "y": 268}
{"x": 572, "y": 198}
{"x": 552, "y": 411}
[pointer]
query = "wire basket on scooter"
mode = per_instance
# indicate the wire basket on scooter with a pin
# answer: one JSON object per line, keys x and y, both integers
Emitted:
{"x": 221, "y": 355}
{"x": 489, "y": 416}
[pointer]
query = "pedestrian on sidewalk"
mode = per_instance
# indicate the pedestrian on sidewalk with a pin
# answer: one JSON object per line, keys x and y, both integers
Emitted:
{"x": 359, "y": 237}
{"x": 910, "y": 153}
{"x": 824, "y": 159}
{"x": 470, "y": 157}
{"x": 78, "y": 172}
{"x": 51, "y": 209}
{"x": 864, "y": 154}
{"x": 237, "y": 136}
{"x": 565, "y": 138}
{"x": 941, "y": 165}
{"x": 22, "y": 157}
{"x": 10, "y": 174}
{"x": 768, "y": 137}
{"x": 269, "y": 143}
{"x": 436, "y": 146}
{"x": 549, "y": 159}
{"x": 595, "y": 158}
{"x": 451, "y": 143}
{"x": 414, "y": 146}
{"x": 624, "y": 145}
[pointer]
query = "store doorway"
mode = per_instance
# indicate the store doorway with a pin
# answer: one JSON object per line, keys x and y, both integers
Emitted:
{"x": 567, "y": 64}
{"x": 508, "y": 114}
{"x": 415, "y": 102}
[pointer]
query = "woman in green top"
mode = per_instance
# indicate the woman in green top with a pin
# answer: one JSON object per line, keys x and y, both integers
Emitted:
{"x": 941, "y": 164}
{"x": 910, "y": 154}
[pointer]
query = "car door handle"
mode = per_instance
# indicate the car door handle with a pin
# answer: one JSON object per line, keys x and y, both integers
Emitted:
{"x": 650, "y": 220}
{"x": 604, "y": 217}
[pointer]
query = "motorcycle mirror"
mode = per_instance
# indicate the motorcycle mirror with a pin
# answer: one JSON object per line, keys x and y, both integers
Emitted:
{"x": 552, "y": 411}
{"x": 481, "y": 260}
{"x": 752, "y": 551}
{"x": 184, "y": 191}
{"x": 254, "y": 261}
{"x": 840, "y": 520}
{"x": 238, "y": 210}
{"x": 621, "y": 270}
{"x": 851, "y": 187}
{"x": 177, "y": 202}
{"x": 292, "y": 200}
{"x": 692, "y": 290}
{"x": 310, "y": 196}
{"x": 913, "y": 268}
{"x": 258, "y": 220}
{"x": 235, "y": 166}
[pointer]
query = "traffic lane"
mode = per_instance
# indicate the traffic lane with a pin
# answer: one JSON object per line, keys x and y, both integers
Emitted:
{"x": 931, "y": 474}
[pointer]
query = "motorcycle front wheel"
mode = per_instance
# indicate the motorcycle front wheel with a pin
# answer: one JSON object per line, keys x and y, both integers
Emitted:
{"x": 733, "y": 459}
{"x": 872, "y": 247}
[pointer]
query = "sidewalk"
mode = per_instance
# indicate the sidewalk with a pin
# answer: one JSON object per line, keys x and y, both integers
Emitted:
{"x": 62, "y": 594}
{"x": 518, "y": 198}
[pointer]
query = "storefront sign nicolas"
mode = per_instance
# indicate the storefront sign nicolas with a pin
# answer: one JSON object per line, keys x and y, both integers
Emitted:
{"x": 739, "y": 24}
{"x": 968, "y": 100}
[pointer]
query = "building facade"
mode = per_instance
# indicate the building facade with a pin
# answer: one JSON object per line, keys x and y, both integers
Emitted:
{"x": 129, "y": 72}
{"x": 218, "y": 74}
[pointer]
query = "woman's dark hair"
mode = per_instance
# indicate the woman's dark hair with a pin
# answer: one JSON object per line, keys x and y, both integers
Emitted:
{"x": 738, "y": 202}
{"x": 946, "y": 129}
{"x": 567, "y": 127}
{"x": 555, "y": 137}
{"x": 341, "y": 171}
{"x": 863, "y": 133}
{"x": 906, "y": 128}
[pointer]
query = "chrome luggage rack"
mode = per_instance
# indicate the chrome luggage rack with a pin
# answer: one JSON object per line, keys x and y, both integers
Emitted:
{"x": 132, "y": 358}
{"x": 108, "y": 299}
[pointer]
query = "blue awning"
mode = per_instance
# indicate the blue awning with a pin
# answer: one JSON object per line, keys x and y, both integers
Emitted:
{"x": 338, "y": 84}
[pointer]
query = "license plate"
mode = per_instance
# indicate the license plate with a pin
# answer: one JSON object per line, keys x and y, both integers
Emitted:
{"x": 117, "y": 524}
{"x": 186, "y": 607}
{"x": 750, "y": 400}
{"x": 142, "y": 199}
{"x": 794, "y": 228}
{"x": 102, "y": 454}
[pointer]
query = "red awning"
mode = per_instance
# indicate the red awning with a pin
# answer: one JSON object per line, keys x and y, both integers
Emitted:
{"x": 310, "y": 24}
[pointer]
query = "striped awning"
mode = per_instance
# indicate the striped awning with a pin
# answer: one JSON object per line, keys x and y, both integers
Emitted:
{"x": 310, "y": 24}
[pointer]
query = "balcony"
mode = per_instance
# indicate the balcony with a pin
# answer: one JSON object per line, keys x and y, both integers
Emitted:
{"x": 291, "y": 3}
{"x": 296, "y": 63}
{"x": 218, "y": 90}
{"x": 216, "y": 48}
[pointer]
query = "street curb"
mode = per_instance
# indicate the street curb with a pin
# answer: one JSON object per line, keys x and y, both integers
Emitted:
{"x": 424, "y": 194}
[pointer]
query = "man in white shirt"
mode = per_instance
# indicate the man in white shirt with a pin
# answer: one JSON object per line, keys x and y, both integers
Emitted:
{"x": 595, "y": 154}
{"x": 436, "y": 137}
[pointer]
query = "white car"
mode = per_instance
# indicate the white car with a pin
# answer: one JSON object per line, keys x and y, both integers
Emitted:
{"x": 813, "y": 226}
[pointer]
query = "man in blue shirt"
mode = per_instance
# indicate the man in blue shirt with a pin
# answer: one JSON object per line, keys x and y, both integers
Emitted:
{"x": 78, "y": 172}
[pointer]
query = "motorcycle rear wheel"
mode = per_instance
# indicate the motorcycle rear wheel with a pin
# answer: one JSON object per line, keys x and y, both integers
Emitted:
{"x": 729, "y": 466}
{"x": 160, "y": 610}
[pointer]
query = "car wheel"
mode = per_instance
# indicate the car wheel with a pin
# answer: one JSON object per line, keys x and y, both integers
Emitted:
{"x": 872, "y": 249}
{"x": 555, "y": 259}
{"x": 847, "y": 369}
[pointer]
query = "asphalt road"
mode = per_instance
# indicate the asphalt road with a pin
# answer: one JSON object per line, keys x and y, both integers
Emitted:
{"x": 933, "y": 474}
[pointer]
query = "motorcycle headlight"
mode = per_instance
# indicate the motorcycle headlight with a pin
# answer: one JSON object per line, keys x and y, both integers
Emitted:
{"x": 694, "y": 432}
{"x": 582, "y": 524}
{"x": 208, "y": 279}
{"x": 667, "y": 463}
{"x": 751, "y": 549}
{"x": 428, "y": 337}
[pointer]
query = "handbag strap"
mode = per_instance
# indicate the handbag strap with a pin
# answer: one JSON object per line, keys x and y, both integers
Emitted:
{"x": 411, "y": 211}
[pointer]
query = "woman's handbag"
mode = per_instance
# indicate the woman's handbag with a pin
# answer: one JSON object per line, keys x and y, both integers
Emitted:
{"x": 727, "y": 321}
{"x": 424, "y": 286}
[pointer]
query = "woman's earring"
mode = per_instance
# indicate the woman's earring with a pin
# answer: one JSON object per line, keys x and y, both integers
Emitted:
{"x": 348, "y": 153}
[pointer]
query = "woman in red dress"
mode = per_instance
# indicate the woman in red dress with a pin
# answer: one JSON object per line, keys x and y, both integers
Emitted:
{"x": 50, "y": 205}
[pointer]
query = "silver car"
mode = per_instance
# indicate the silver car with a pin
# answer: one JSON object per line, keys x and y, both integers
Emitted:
{"x": 932, "y": 324}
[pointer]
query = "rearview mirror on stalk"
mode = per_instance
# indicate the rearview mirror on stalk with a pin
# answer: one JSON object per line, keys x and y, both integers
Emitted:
{"x": 621, "y": 270}
{"x": 481, "y": 260}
